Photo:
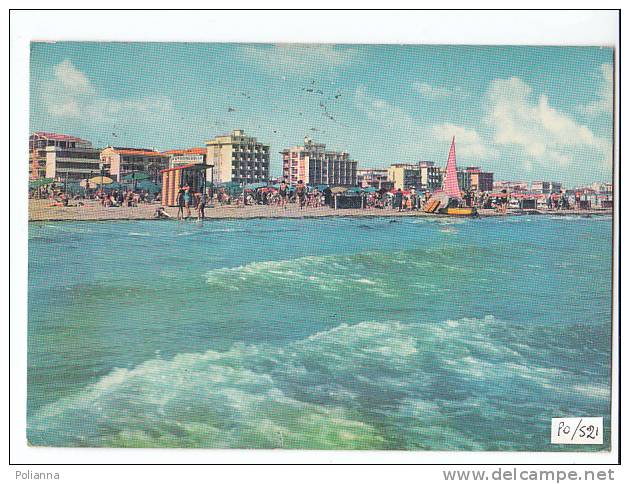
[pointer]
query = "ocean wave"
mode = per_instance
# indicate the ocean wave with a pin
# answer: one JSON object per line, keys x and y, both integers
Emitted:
{"x": 451, "y": 221}
{"x": 226, "y": 230}
{"x": 324, "y": 273}
{"x": 371, "y": 385}
{"x": 380, "y": 273}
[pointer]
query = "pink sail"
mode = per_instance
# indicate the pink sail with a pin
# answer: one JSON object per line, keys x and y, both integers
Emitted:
{"x": 450, "y": 184}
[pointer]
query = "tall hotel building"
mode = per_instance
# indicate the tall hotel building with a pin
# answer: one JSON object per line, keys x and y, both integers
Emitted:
{"x": 238, "y": 158}
{"x": 61, "y": 156}
{"x": 315, "y": 165}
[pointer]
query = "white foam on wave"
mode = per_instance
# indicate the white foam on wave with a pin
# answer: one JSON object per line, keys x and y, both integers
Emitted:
{"x": 328, "y": 273}
{"x": 593, "y": 391}
{"x": 335, "y": 276}
{"x": 226, "y": 230}
{"x": 216, "y": 399}
{"x": 451, "y": 221}
{"x": 374, "y": 384}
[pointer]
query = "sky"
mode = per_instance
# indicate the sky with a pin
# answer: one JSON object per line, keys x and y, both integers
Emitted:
{"x": 525, "y": 113}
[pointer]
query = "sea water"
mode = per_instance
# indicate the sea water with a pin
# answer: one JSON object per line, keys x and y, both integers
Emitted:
{"x": 332, "y": 333}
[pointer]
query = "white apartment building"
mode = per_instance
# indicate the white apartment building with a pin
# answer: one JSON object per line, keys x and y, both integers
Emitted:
{"x": 430, "y": 175}
{"x": 511, "y": 186}
{"x": 55, "y": 155}
{"x": 238, "y": 158}
{"x": 546, "y": 187}
{"x": 373, "y": 177}
{"x": 315, "y": 165}
{"x": 72, "y": 163}
{"x": 404, "y": 176}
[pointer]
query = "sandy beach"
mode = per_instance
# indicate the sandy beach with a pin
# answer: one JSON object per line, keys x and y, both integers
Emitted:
{"x": 41, "y": 210}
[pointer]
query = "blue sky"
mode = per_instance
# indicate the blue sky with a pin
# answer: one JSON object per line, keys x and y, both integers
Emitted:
{"x": 523, "y": 112}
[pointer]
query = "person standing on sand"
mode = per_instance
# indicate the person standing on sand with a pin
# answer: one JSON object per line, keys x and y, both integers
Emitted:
{"x": 327, "y": 196}
{"x": 504, "y": 201}
{"x": 201, "y": 206}
{"x": 180, "y": 204}
{"x": 398, "y": 200}
{"x": 316, "y": 198}
{"x": 187, "y": 200}
{"x": 283, "y": 191}
{"x": 300, "y": 193}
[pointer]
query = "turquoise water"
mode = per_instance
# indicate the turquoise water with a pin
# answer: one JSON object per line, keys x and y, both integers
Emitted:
{"x": 380, "y": 333}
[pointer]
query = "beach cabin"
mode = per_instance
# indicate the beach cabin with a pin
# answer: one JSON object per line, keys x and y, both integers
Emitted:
{"x": 193, "y": 175}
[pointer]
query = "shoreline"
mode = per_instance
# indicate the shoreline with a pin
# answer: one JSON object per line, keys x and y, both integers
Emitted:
{"x": 41, "y": 211}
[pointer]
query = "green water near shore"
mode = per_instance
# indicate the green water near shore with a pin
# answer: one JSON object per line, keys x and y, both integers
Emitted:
{"x": 327, "y": 333}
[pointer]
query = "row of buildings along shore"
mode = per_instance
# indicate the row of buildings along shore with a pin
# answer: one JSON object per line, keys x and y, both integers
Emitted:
{"x": 242, "y": 159}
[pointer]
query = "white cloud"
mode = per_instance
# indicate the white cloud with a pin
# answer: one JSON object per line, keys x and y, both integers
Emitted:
{"x": 70, "y": 94}
{"x": 66, "y": 108}
{"x": 545, "y": 135}
{"x": 386, "y": 114}
{"x": 72, "y": 79}
{"x": 429, "y": 91}
{"x": 420, "y": 141}
{"x": 604, "y": 102}
{"x": 300, "y": 60}
{"x": 468, "y": 142}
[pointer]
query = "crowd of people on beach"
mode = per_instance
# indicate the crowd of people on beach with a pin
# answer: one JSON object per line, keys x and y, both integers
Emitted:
{"x": 305, "y": 197}
{"x": 300, "y": 195}
{"x": 126, "y": 198}
{"x": 113, "y": 198}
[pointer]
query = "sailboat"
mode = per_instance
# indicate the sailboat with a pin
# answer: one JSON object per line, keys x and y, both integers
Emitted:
{"x": 442, "y": 200}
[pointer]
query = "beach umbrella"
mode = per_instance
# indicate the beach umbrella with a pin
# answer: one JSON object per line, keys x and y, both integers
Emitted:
{"x": 40, "y": 182}
{"x": 337, "y": 190}
{"x": 321, "y": 188}
{"x": 72, "y": 184}
{"x": 149, "y": 186}
{"x": 98, "y": 180}
{"x": 136, "y": 176}
{"x": 115, "y": 186}
{"x": 353, "y": 190}
{"x": 232, "y": 188}
{"x": 370, "y": 189}
{"x": 255, "y": 186}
